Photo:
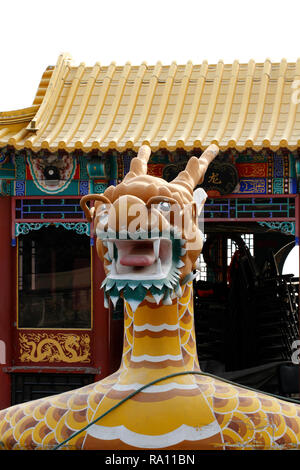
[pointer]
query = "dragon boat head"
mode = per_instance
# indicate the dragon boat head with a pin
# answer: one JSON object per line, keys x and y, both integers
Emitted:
{"x": 148, "y": 235}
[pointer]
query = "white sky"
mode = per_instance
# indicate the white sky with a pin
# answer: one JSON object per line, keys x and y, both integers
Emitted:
{"x": 34, "y": 32}
{"x": 291, "y": 265}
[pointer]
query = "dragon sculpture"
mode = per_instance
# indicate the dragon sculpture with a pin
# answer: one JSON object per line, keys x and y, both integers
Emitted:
{"x": 149, "y": 240}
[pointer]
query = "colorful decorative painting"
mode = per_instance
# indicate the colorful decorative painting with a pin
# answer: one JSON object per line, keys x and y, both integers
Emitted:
{"x": 264, "y": 172}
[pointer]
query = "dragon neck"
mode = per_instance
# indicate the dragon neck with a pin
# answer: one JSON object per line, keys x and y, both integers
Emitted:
{"x": 160, "y": 338}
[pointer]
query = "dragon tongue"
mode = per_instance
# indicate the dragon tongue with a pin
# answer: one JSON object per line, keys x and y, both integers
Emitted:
{"x": 139, "y": 255}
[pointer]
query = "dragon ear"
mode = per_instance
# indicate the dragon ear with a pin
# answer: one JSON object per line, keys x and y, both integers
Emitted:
{"x": 195, "y": 170}
{"x": 90, "y": 212}
{"x": 138, "y": 165}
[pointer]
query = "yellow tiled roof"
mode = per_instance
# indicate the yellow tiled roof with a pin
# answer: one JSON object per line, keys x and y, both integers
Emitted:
{"x": 233, "y": 105}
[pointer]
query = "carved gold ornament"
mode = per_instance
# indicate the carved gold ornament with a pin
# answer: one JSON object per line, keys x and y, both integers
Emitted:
{"x": 59, "y": 347}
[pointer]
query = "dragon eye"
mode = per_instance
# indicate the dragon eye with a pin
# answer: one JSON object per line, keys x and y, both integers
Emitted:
{"x": 164, "y": 206}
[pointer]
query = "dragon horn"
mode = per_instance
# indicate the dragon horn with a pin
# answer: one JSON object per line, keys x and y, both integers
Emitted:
{"x": 138, "y": 165}
{"x": 195, "y": 170}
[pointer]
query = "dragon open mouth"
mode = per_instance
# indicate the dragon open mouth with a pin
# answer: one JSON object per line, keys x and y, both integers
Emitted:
{"x": 140, "y": 259}
{"x": 140, "y": 267}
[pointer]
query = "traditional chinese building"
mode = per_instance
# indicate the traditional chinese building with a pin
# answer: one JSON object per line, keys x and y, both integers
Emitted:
{"x": 79, "y": 136}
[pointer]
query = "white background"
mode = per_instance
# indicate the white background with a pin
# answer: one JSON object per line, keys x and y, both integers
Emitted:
{"x": 34, "y": 32}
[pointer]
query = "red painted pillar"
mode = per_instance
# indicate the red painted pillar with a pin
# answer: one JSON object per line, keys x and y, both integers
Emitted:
{"x": 7, "y": 285}
{"x": 101, "y": 333}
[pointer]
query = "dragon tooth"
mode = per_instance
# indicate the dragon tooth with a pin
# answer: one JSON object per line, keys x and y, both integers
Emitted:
{"x": 114, "y": 300}
{"x": 166, "y": 233}
{"x": 180, "y": 264}
{"x": 123, "y": 234}
{"x": 177, "y": 271}
{"x": 110, "y": 283}
{"x": 101, "y": 234}
{"x": 121, "y": 284}
{"x": 143, "y": 234}
{"x": 111, "y": 233}
{"x": 168, "y": 283}
{"x": 167, "y": 300}
{"x": 132, "y": 284}
{"x": 134, "y": 303}
{"x": 113, "y": 267}
{"x": 110, "y": 246}
{"x": 106, "y": 304}
{"x": 158, "y": 297}
{"x": 146, "y": 284}
{"x": 158, "y": 266}
{"x": 174, "y": 282}
{"x": 158, "y": 283}
{"x": 133, "y": 235}
{"x": 156, "y": 246}
{"x": 154, "y": 232}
